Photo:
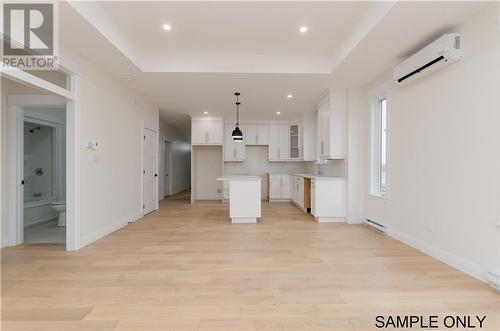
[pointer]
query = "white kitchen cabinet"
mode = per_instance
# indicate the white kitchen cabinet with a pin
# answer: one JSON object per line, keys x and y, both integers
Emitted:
{"x": 279, "y": 187}
{"x": 332, "y": 122}
{"x": 207, "y": 131}
{"x": 297, "y": 194}
{"x": 278, "y": 142}
{"x": 308, "y": 138}
{"x": 250, "y": 134}
{"x": 329, "y": 199}
{"x": 262, "y": 137}
{"x": 295, "y": 141}
{"x": 256, "y": 134}
{"x": 233, "y": 151}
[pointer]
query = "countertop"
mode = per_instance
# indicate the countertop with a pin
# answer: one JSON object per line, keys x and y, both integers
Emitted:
{"x": 311, "y": 176}
{"x": 318, "y": 176}
{"x": 239, "y": 177}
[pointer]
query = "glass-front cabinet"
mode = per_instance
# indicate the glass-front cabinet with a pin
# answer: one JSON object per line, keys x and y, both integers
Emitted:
{"x": 294, "y": 134}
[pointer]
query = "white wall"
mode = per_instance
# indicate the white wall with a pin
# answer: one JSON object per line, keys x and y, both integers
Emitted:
{"x": 444, "y": 153}
{"x": 180, "y": 165}
{"x": 357, "y": 154}
{"x": 111, "y": 177}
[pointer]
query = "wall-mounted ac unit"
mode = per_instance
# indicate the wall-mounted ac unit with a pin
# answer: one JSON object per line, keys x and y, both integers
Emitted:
{"x": 445, "y": 50}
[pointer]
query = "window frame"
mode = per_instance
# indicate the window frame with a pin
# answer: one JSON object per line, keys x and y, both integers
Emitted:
{"x": 377, "y": 96}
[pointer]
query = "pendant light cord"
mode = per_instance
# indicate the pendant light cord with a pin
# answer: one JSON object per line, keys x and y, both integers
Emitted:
{"x": 237, "y": 109}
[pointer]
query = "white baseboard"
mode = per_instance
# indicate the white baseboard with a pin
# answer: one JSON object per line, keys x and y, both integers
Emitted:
{"x": 494, "y": 279}
{"x": 355, "y": 220}
{"x": 440, "y": 254}
{"x": 96, "y": 235}
{"x": 330, "y": 219}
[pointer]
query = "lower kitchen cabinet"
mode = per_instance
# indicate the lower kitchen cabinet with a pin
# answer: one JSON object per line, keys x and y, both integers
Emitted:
{"x": 297, "y": 193}
{"x": 329, "y": 199}
{"x": 279, "y": 188}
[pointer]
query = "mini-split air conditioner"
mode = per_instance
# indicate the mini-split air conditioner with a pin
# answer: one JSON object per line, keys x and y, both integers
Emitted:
{"x": 445, "y": 50}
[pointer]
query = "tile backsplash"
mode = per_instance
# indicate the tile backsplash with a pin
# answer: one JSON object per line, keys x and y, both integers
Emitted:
{"x": 257, "y": 163}
{"x": 335, "y": 168}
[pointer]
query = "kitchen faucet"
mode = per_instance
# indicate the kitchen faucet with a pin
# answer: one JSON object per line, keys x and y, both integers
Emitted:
{"x": 319, "y": 163}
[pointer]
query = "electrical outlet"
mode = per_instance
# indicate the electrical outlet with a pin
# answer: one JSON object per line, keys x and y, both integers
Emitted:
{"x": 430, "y": 227}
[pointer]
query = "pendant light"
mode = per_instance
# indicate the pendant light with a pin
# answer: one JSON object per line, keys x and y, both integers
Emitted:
{"x": 237, "y": 134}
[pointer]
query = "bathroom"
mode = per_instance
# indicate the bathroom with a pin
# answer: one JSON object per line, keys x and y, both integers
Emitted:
{"x": 44, "y": 190}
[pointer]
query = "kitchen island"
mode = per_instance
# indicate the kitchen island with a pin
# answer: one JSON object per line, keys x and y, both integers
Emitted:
{"x": 244, "y": 198}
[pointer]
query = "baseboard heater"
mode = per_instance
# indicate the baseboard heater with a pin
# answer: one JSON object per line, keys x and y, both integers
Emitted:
{"x": 376, "y": 226}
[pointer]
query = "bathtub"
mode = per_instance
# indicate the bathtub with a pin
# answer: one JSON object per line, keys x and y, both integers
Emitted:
{"x": 38, "y": 211}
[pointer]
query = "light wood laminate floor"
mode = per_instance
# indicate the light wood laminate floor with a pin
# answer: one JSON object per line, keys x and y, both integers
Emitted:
{"x": 185, "y": 267}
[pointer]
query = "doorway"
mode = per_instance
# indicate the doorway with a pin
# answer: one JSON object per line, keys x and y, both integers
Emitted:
{"x": 167, "y": 162}
{"x": 44, "y": 176}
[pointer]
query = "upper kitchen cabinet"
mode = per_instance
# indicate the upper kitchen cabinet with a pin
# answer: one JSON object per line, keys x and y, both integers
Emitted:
{"x": 308, "y": 133}
{"x": 256, "y": 134}
{"x": 295, "y": 142}
{"x": 233, "y": 151}
{"x": 207, "y": 131}
{"x": 278, "y": 142}
{"x": 332, "y": 122}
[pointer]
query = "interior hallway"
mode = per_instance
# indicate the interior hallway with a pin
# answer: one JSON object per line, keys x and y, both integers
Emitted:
{"x": 182, "y": 268}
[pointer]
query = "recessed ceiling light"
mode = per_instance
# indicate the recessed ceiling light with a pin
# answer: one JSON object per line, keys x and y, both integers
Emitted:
{"x": 303, "y": 29}
{"x": 205, "y": 112}
{"x": 289, "y": 96}
{"x": 278, "y": 113}
{"x": 167, "y": 27}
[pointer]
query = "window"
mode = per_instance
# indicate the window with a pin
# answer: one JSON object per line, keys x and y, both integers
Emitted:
{"x": 379, "y": 147}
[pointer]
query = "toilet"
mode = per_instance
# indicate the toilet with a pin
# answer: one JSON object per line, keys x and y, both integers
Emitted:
{"x": 60, "y": 207}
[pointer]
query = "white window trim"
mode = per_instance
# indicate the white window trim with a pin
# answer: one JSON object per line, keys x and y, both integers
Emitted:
{"x": 379, "y": 93}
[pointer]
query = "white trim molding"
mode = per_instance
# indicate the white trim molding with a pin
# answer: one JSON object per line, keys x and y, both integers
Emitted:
{"x": 440, "y": 254}
{"x": 16, "y": 103}
{"x": 101, "y": 233}
{"x": 355, "y": 220}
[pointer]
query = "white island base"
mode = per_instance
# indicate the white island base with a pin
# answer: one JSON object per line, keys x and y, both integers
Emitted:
{"x": 244, "y": 198}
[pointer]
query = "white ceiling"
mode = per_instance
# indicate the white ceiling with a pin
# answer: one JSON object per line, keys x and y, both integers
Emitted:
{"x": 216, "y": 48}
{"x": 235, "y": 27}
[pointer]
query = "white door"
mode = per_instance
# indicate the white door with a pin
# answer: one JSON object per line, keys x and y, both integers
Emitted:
{"x": 166, "y": 169}
{"x": 149, "y": 172}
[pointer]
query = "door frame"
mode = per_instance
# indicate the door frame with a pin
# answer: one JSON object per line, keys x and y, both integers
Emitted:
{"x": 15, "y": 166}
{"x": 72, "y": 102}
{"x": 155, "y": 130}
{"x": 167, "y": 142}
